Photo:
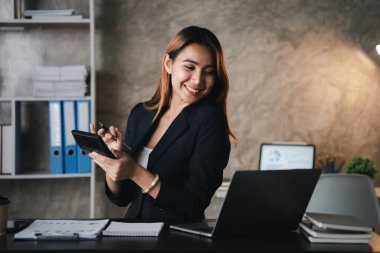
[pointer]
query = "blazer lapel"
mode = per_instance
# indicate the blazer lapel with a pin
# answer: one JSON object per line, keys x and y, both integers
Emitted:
{"x": 178, "y": 126}
{"x": 143, "y": 128}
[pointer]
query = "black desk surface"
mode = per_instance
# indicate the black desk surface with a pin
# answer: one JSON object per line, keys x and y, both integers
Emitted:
{"x": 173, "y": 241}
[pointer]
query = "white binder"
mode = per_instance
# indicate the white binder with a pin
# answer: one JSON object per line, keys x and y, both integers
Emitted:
{"x": 7, "y": 149}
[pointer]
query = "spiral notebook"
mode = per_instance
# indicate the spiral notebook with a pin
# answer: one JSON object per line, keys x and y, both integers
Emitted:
{"x": 133, "y": 229}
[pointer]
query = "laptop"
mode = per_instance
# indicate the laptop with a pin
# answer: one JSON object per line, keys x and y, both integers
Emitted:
{"x": 260, "y": 202}
{"x": 282, "y": 156}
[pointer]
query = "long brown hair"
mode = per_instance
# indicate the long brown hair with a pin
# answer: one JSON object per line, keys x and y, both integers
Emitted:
{"x": 187, "y": 36}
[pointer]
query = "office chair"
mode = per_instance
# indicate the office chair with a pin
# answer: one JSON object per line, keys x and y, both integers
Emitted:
{"x": 348, "y": 194}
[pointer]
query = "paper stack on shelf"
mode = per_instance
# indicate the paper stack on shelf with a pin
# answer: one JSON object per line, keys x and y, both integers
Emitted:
{"x": 65, "y": 81}
{"x": 64, "y": 15}
{"x": 334, "y": 228}
{"x": 73, "y": 73}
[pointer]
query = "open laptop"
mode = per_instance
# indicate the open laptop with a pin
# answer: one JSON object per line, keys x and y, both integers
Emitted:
{"x": 260, "y": 202}
{"x": 280, "y": 156}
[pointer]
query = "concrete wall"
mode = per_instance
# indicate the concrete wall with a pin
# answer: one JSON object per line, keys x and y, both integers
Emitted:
{"x": 300, "y": 70}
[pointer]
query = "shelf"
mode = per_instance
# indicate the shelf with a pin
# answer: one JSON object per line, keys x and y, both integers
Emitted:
{"x": 45, "y": 176}
{"x": 27, "y": 115}
{"x": 50, "y": 98}
{"x": 28, "y": 23}
{"x": 41, "y": 99}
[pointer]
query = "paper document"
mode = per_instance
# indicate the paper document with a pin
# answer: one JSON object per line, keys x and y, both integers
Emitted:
{"x": 70, "y": 229}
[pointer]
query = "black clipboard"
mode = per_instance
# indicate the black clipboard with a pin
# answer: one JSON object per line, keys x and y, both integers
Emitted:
{"x": 89, "y": 142}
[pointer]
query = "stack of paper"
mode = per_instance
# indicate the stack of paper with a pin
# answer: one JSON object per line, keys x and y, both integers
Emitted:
{"x": 221, "y": 192}
{"x": 64, "y": 15}
{"x": 73, "y": 73}
{"x": 333, "y": 228}
{"x": 65, "y": 81}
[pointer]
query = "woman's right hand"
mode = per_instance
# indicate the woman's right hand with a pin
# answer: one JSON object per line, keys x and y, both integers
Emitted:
{"x": 113, "y": 138}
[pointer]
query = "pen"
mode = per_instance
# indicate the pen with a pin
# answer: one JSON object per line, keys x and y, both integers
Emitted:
{"x": 56, "y": 236}
{"x": 107, "y": 130}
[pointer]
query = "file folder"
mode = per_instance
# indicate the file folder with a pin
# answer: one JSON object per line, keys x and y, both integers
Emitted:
{"x": 70, "y": 149}
{"x": 83, "y": 124}
{"x": 55, "y": 137}
{"x": 7, "y": 148}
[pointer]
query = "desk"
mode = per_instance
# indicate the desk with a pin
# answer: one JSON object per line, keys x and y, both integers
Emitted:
{"x": 173, "y": 241}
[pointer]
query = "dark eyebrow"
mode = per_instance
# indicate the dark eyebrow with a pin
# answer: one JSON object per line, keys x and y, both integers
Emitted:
{"x": 196, "y": 63}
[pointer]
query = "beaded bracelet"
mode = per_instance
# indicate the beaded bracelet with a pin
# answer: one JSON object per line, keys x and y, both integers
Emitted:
{"x": 152, "y": 185}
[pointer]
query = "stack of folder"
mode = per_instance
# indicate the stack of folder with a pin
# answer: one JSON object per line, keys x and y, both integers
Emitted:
{"x": 334, "y": 228}
{"x": 60, "y": 14}
{"x": 65, "y": 155}
{"x": 65, "y": 81}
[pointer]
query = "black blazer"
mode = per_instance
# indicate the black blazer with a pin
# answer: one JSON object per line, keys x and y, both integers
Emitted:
{"x": 190, "y": 158}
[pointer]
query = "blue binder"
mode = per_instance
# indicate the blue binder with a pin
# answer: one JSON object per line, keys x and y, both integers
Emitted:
{"x": 70, "y": 149}
{"x": 55, "y": 137}
{"x": 83, "y": 108}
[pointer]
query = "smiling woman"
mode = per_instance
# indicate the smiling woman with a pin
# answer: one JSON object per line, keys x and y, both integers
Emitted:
{"x": 179, "y": 139}
{"x": 192, "y": 74}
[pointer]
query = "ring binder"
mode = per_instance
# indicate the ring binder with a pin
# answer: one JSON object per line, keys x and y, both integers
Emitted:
{"x": 55, "y": 137}
{"x": 70, "y": 156}
{"x": 83, "y": 109}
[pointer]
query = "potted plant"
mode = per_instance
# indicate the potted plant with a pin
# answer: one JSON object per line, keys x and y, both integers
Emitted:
{"x": 362, "y": 165}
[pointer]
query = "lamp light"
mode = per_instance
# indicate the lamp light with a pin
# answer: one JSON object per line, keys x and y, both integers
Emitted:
{"x": 378, "y": 48}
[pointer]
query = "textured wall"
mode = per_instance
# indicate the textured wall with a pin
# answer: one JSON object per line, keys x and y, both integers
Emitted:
{"x": 299, "y": 71}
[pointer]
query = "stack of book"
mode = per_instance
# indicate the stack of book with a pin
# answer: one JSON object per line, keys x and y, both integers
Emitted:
{"x": 54, "y": 15}
{"x": 65, "y": 81}
{"x": 221, "y": 192}
{"x": 334, "y": 228}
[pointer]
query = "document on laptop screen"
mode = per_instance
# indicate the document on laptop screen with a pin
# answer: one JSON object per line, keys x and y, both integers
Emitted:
{"x": 284, "y": 156}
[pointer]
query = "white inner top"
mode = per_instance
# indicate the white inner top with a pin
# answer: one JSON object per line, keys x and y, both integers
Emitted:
{"x": 143, "y": 157}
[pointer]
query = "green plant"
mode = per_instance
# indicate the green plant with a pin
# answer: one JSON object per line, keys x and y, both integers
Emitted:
{"x": 360, "y": 165}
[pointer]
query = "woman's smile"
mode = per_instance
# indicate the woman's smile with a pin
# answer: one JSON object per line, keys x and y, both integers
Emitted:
{"x": 193, "y": 91}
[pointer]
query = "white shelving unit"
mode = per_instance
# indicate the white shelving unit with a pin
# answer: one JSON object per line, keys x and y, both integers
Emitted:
{"x": 15, "y": 101}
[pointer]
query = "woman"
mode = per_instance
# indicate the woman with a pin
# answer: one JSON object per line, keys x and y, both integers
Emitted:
{"x": 177, "y": 143}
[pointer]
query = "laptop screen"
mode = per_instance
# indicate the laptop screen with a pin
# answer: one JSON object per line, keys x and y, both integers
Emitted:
{"x": 275, "y": 156}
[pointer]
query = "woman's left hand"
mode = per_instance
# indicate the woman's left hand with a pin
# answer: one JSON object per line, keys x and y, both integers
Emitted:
{"x": 123, "y": 167}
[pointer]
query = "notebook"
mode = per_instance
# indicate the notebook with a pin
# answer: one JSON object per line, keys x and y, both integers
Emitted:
{"x": 280, "y": 156}
{"x": 318, "y": 235}
{"x": 133, "y": 229}
{"x": 260, "y": 202}
{"x": 337, "y": 221}
{"x": 310, "y": 230}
